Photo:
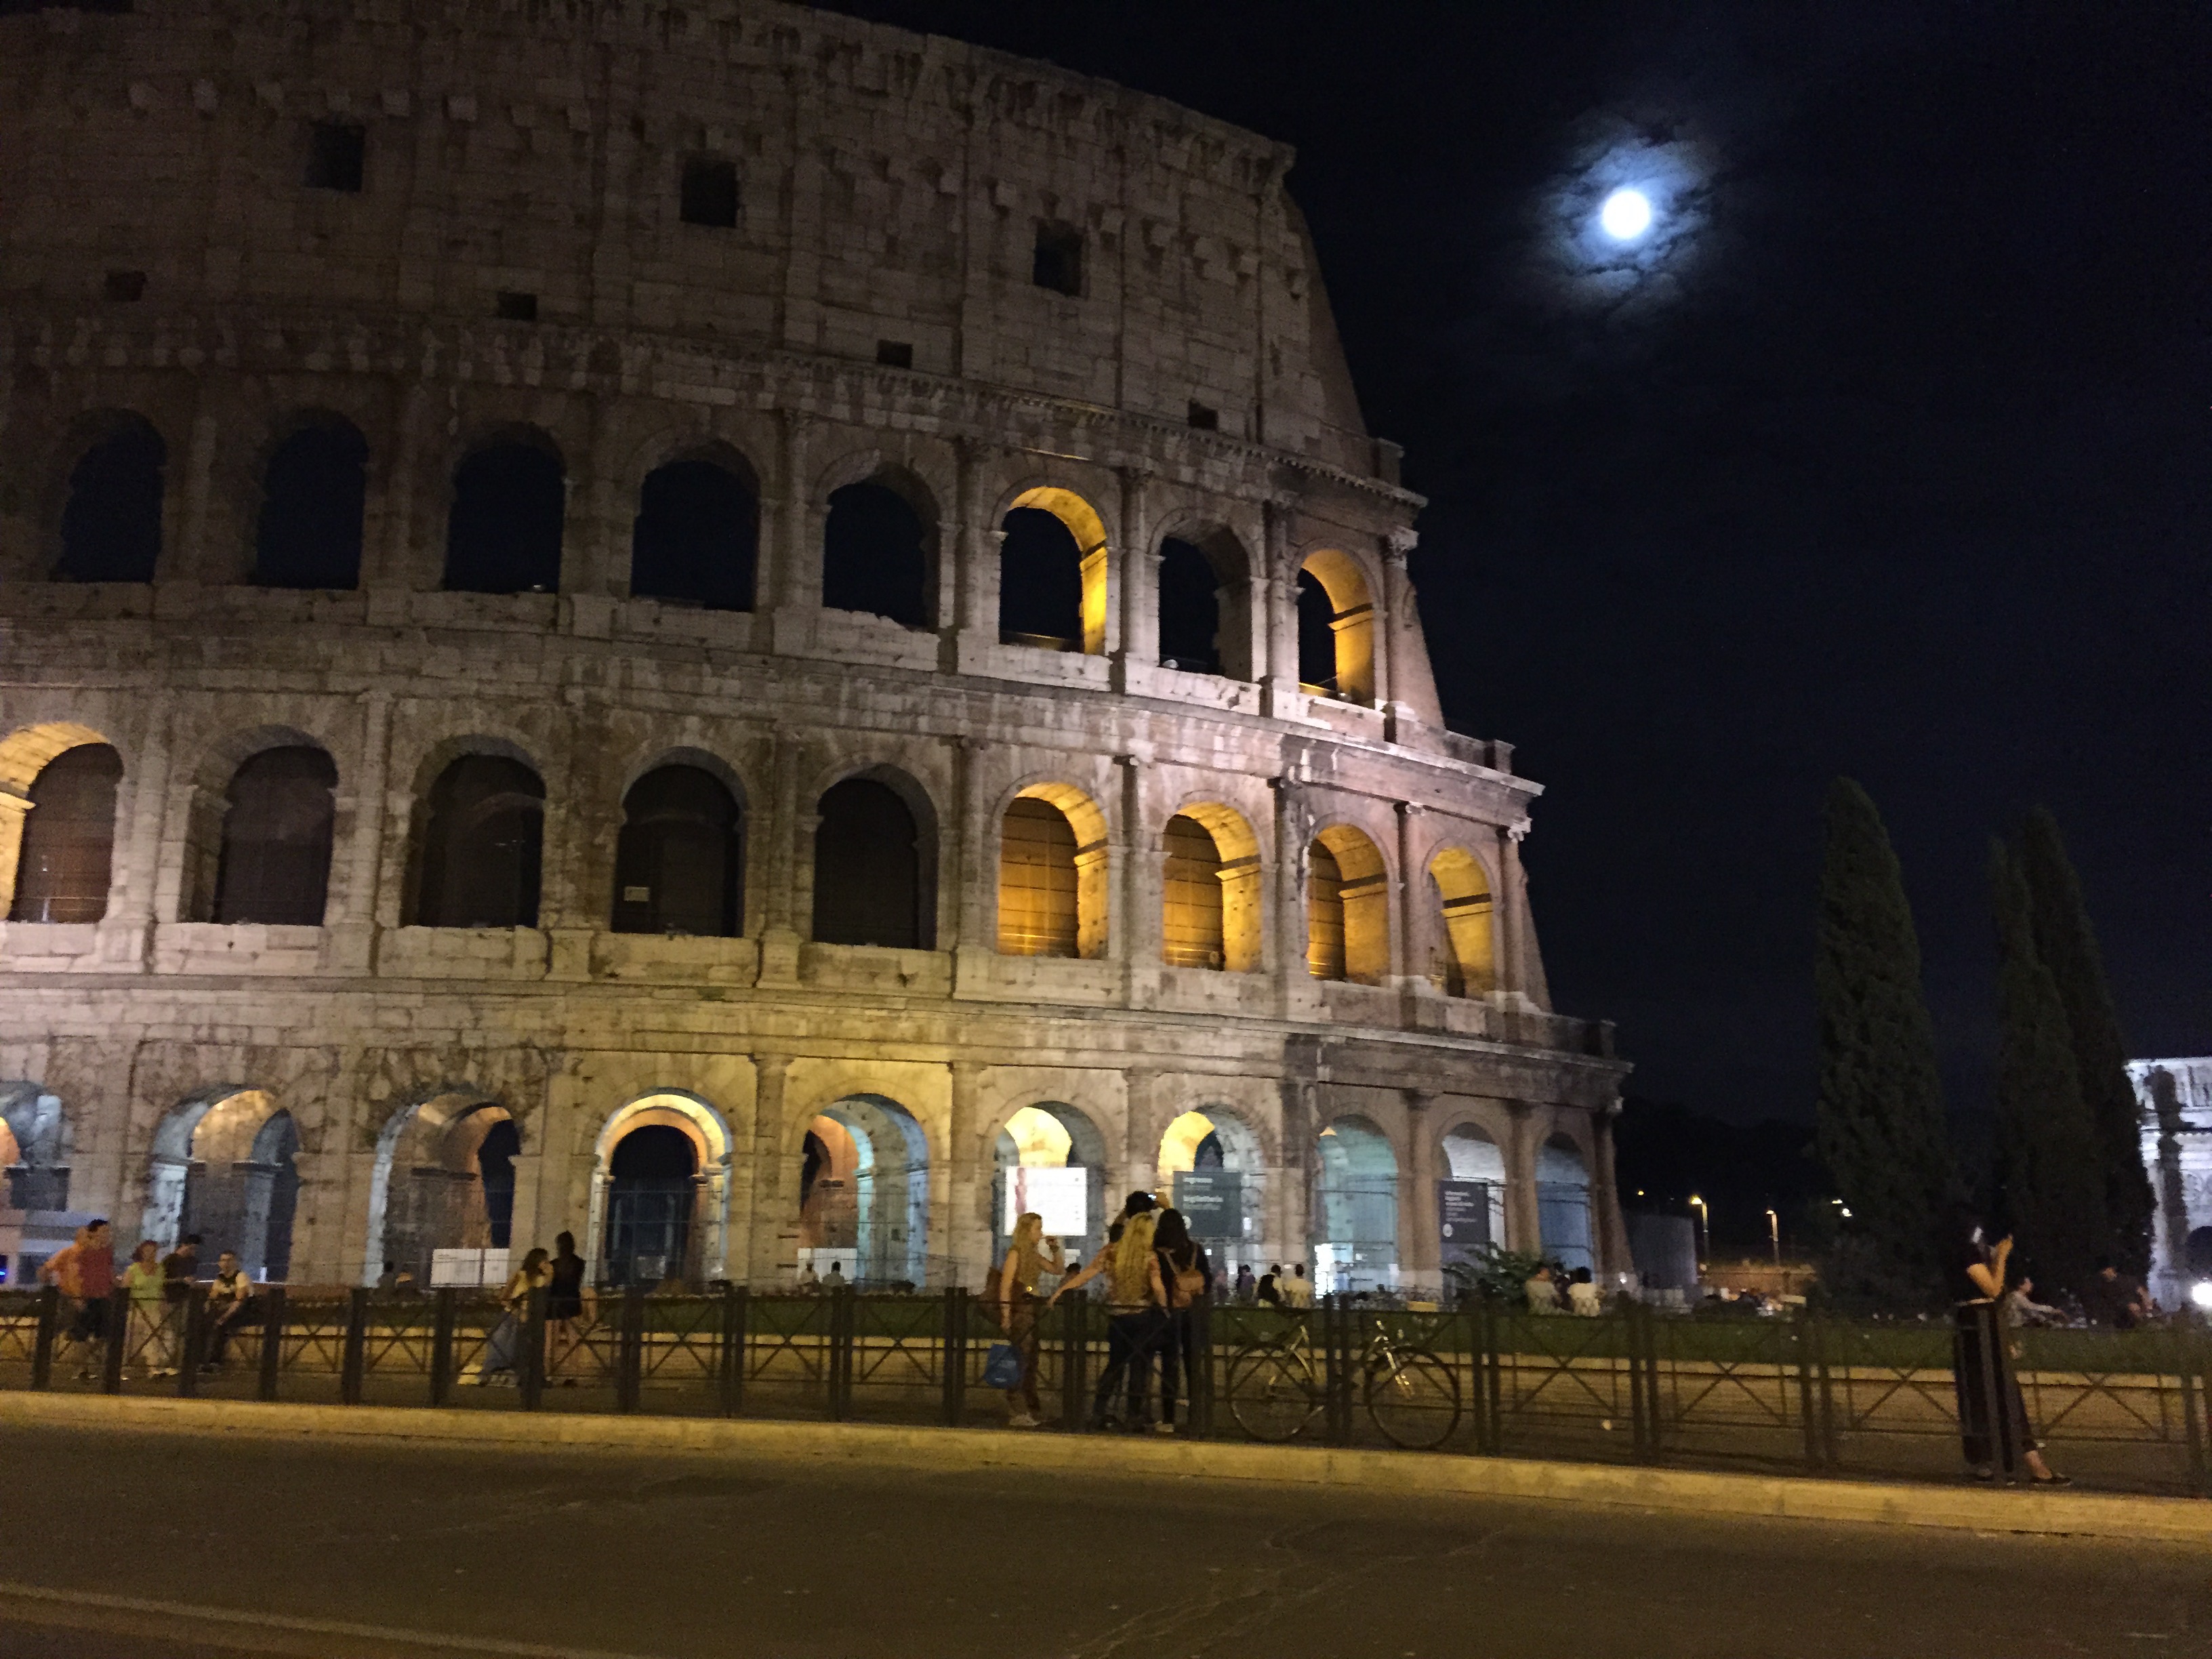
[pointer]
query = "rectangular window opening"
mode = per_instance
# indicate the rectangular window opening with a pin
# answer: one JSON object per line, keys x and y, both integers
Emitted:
{"x": 709, "y": 192}
{"x": 336, "y": 153}
{"x": 1058, "y": 262}
{"x": 518, "y": 308}
{"x": 894, "y": 353}
{"x": 125, "y": 285}
{"x": 1205, "y": 419}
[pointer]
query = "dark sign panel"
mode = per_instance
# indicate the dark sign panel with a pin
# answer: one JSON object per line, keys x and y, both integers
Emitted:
{"x": 1463, "y": 1220}
{"x": 1212, "y": 1203}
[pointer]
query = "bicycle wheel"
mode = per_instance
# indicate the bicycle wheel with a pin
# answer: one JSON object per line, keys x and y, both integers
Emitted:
{"x": 1414, "y": 1399}
{"x": 1271, "y": 1394}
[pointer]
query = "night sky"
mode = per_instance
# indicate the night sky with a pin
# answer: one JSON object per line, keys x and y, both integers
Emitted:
{"x": 1885, "y": 455}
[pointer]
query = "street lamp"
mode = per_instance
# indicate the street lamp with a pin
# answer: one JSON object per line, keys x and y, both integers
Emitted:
{"x": 1704, "y": 1228}
{"x": 1774, "y": 1236}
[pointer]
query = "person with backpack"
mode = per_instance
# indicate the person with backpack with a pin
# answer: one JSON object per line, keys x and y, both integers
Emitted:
{"x": 1185, "y": 1277}
{"x": 1029, "y": 1258}
{"x": 1137, "y": 1302}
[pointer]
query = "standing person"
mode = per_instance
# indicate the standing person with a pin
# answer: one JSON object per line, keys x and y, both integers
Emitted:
{"x": 148, "y": 1334}
{"x": 1185, "y": 1276}
{"x": 84, "y": 1273}
{"x": 228, "y": 1296}
{"x": 835, "y": 1279}
{"x": 1297, "y": 1290}
{"x": 1136, "y": 1301}
{"x": 1981, "y": 1369}
{"x": 1244, "y": 1291}
{"x": 1270, "y": 1287}
{"x": 571, "y": 1306}
{"x": 504, "y": 1346}
{"x": 1029, "y": 1258}
{"x": 1583, "y": 1296}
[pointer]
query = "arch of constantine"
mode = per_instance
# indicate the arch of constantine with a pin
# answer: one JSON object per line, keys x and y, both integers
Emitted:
{"x": 732, "y": 630}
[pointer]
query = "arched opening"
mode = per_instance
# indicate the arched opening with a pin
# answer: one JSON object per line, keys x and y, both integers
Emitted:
{"x": 1210, "y": 891}
{"x": 1466, "y": 963}
{"x": 275, "y": 865}
{"x": 1348, "y": 907}
{"x": 34, "y": 1154}
{"x": 1053, "y": 573}
{"x": 67, "y": 852}
{"x": 444, "y": 1180}
{"x": 2196, "y": 1254}
{"x": 1051, "y": 1158}
{"x": 652, "y": 1202}
{"x": 1563, "y": 1203}
{"x": 695, "y": 539}
{"x": 224, "y": 1167}
{"x": 312, "y": 494}
{"x": 1052, "y": 875}
{"x": 1471, "y": 1207}
{"x": 112, "y": 521}
{"x": 1205, "y": 599}
{"x": 503, "y": 532}
{"x": 480, "y": 842}
{"x": 1336, "y": 628}
{"x": 1356, "y": 1211}
{"x": 1213, "y": 1169}
{"x": 864, "y": 1194}
{"x": 679, "y": 862}
{"x": 878, "y": 552}
{"x": 869, "y": 865}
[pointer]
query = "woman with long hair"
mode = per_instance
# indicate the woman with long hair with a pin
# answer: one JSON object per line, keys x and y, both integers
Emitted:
{"x": 1136, "y": 1303}
{"x": 504, "y": 1346}
{"x": 1028, "y": 1258}
{"x": 1186, "y": 1277}
{"x": 149, "y": 1336}
{"x": 1993, "y": 1426}
{"x": 571, "y": 1307}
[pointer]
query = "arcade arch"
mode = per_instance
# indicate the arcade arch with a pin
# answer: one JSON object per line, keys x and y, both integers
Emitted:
{"x": 1355, "y": 1223}
{"x": 1212, "y": 1167}
{"x": 680, "y": 860}
{"x": 1053, "y": 1136}
{"x": 274, "y": 862}
{"x": 1348, "y": 907}
{"x": 1336, "y": 626}
{"x": 1475, "y": 1214}
{"x": 443, "y": 1179}
{"x": 1563, "y": 1203}
{"x": 1209, "y": 893}
{"x": 64, "y": 849}
{"x": 1205, "y": 604}
{"x": 35, "y": 1149}
{"x": 1053, "y": 560}
{"x": 482, "y": 836}
{"x": 879, "y": 549}
{"x": 864, "y": 1194}
{"x": 224, "y": 1166}
{"x": 1052, "y": 874}
{"x": 503, "y": 531}
{"x": 874, "y": 857}
{"x": 111, "y": 520}
{"x": 1467, "y": 959}
{"x": 695, "y": 539}
{"x": 660, "y": 1192}
{"x": 314, "y": 492}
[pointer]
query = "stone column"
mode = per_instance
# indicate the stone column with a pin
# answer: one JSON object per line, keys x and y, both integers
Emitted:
{"x": 1506, "y": 908}
{"x": 126, "y": 933}
{"x": 780, "y": 937}
{"x": 14, "y": 809}
{"x": 975, "y": 621}
{"x": 1523, "y": 1225}
{"x": 348, "y": 945}
{"x": 1141, "y": 1139}
{"x": 976, "y": 855}
{"x": 1292, "y": 1239}
{"x": 960, "y": 1203}
{"x": 1607, "y": 1223}
{"x": 1408, "y": 923}
{"x": 391, "y": 564}
{"x": 1141, "y": 879}
{"x": 1140, "y": 644}
{"x": 1279, "y": 592}
{"x": 790, "y": 576}
{"x": 1395, "y": 623}
{"x": 1421, "y": 1249}
{"x": 1300, "y": 998}
{"x": 770, "y": 1253}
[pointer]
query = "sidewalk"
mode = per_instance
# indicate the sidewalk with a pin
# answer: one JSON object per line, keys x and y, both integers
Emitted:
{"x": 1961, "y": 1508}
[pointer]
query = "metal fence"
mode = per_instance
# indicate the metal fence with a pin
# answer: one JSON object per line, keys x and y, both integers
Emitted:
{"x": 2125, "y": 1410}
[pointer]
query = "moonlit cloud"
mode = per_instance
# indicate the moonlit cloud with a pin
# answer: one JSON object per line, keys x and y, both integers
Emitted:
{"x": 1622, "y": 226}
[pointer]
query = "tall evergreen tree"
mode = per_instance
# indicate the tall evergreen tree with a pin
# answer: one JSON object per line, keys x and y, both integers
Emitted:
{"x": 2050, "y": 1184}
{"x": 1881, "y": 1130}
{"x": 2067, "y": 945}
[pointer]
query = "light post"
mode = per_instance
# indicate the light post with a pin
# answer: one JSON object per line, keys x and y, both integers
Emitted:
{"x": 1774, "y": 1236}
{"x": 1704, "y": 1230}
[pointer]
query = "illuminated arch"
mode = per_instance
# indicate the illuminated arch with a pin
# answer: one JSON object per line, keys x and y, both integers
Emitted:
{"x": 1466, "y": 963}
{"x": 1212, "y": 901}
{"x": 708, "y": 1133}
{"x": 1356, "y": 1208}
{"x": 25, "y": 753}
{"x": 1348, "y": 907}
{"x": 1052, "y": 874}
{"x": 1350, "y": 602}
{"x": 1089, "y": 531}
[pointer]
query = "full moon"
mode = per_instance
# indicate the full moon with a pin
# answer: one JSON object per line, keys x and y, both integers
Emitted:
{"x": 1626, "y": 215}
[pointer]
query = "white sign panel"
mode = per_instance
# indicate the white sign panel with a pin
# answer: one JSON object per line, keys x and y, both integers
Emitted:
{"x": 468, "y": 1269}
{"x": 1061, "y": 1196}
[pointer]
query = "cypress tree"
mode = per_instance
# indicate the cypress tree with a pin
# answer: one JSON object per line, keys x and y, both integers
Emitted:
{"x": 2067, "y": 945}
{"x": 2050, "y": 1185}
{"x": 1881, "y": 1130}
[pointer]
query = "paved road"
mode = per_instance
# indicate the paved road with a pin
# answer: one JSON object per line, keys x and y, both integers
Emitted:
{"x": 346, "y": 1550}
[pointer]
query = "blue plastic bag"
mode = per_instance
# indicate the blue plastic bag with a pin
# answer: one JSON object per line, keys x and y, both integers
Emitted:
{"x": 1002, "y": 1366}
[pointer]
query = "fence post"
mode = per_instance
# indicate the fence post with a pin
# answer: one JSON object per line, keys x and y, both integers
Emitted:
{"x": 1198, "y": 1369}
{"x": 529, "y": 1370}
{"x": 119, "y": 1341}
{"x": 1489, "y": 1382}
{"x": 442, "y": 1345}
{"x": 841, "y": 1352}
{"x": 1336, "y": 1373}
{"x": 42, "y": 1354}
{"x": 730, "y": 1381}
{"x": 272, "y": 1341}
{"x": 356, "y": 1347}
{"x": 1074, "y": 1350}
{"x": 630, "y": 1351}
{"x": 955, "y": 1356}
{"x": 194, "y": 1346}
{"x": 1642, "y": 1432}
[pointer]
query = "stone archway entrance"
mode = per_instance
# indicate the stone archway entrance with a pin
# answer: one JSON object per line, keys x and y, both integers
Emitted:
{"x": 864, "y": 1194}
{"x": 1213, "y": 1169}
{"x": 444, "y": 1180}
{"x": 224, "y": 1167}
{"x": 1356, "y": 1216}
{"x": 1051, "y": 1158}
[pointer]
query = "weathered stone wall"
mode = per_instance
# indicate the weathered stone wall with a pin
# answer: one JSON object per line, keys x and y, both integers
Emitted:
{"x": 890, "y": 187}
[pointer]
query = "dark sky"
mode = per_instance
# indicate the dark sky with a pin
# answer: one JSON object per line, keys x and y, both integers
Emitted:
{"x": 1894, "y": 463}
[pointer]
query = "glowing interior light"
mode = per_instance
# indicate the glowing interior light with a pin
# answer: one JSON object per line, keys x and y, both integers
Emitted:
{"x": 1626, "y": 215}
{"x": 2201, "y": 1292}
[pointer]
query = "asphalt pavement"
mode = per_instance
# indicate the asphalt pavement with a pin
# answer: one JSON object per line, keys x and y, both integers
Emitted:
{"x": 123, "y": 1544}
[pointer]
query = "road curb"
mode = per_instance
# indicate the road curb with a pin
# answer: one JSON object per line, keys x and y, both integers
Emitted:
{"x": 1971, "y": 1509}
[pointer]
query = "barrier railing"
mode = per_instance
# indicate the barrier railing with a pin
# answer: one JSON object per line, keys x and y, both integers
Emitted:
{"x": 2119, "y": 1410}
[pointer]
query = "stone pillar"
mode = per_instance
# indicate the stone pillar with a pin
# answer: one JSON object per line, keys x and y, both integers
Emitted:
{"x": 1139, "y": 645}
{"x": 15, "y": 808}
{"x": 1506, "y": 908}
{"x": 391, "y": 562}
{"x": 770, "y": 1254}
{"x": 1279, "y": 592}
{"x": 1408, "y": 956}
{"x": 780, "y": 937}
{"x": 975, "y": 621}
{"x": 1300, "y": 997}
{"x": 975, "y": 859}
{"x": 1421, "y": 1249}
{"x": 1292, "y": 1232}
{"x": 363, "y": 807}
{"x": 126, "y": 933}
{"x": 790, "y": 572}
{"x": 1141, "y": 879}
{"x": 959, "y": 1211}
{"x": 1141, "y": 1139}
{"x": 1609, "y": 1223}
{"x": 1394, "y": 624}
{"x": 1523, "y": 1225}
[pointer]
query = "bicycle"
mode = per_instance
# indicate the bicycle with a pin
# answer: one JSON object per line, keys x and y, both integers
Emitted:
{"x": 1276, "y": 1389}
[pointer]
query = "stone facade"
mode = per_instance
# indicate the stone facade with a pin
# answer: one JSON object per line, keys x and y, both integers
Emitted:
{"x": 878, "y": 308}
{"x": 2176, "y": 1100}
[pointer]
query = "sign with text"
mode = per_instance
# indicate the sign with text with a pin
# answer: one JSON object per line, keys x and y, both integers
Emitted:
{"x": 1061, "y": 1196}
{"x": 1463, "y": 1220}
{"x": 1212, "y": 1203}
{"x": 468, "y": 1269}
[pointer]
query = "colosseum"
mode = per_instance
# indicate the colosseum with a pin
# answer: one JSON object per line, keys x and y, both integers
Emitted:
{"x": 749, "y": 634}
